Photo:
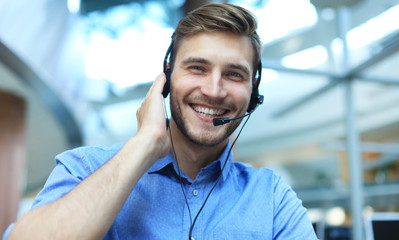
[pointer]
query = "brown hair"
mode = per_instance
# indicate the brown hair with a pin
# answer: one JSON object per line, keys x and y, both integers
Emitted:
{"x": 218, "y": 17}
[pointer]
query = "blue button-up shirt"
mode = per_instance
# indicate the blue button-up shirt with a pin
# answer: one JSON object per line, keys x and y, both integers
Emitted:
{"x": 246, "y": 203}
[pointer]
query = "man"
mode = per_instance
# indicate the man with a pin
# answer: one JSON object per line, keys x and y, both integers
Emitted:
{"x": 180, "y": 182}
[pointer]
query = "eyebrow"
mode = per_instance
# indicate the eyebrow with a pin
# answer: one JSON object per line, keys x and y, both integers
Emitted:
{"x": 196, "y": 60}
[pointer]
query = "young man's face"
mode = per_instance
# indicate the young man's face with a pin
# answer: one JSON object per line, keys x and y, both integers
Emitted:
{"x": 212, "y": 78}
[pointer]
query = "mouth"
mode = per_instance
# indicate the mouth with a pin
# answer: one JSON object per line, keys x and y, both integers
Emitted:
{"x": 208, "y": 112}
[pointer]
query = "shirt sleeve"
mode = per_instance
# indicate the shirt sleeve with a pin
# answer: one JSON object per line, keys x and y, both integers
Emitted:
{"x": 69, "y": 171}
{"x": 7, "y": 232}
{"x": 72, "y": 167}
{"x": 290, "y": 217}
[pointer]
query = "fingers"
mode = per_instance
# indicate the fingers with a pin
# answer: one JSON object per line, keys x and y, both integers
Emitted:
{"x": 157, "y": 86}
{"x": 152, "y": 108}
{"x": 151, "y": 121}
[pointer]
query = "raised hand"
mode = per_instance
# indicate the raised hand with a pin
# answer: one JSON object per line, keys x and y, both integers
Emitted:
{"x": 151, "y": 119}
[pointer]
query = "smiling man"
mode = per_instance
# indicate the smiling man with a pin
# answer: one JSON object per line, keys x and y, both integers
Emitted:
{"x": 212, "y": 77}
{"x": 178, "y": 182}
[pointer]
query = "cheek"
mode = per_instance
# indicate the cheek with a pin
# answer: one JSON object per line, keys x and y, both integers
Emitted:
{"x": 242, "y": 95}
{"x": 183, "y": 86}
{"x": 178, "y": 90}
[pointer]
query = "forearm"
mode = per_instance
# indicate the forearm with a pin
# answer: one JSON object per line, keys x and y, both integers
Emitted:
{"x": 88, "y": 210}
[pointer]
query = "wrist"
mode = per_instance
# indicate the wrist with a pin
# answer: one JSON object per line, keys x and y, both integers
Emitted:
{"x": 140, "y": 152}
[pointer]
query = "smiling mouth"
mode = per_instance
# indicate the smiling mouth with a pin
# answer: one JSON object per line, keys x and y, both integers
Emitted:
{"x": 208, "y": 112}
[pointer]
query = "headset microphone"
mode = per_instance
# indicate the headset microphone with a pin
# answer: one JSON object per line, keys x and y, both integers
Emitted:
{"x": 221, "y": 121}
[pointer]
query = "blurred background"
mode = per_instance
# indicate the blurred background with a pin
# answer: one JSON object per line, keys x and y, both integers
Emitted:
{"x": 74, "y": 72}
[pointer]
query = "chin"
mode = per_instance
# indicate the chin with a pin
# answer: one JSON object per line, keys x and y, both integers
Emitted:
{"x": 206, "y": 141}
{"x": 199, "y": 132}
{"x": 211, "y": 137}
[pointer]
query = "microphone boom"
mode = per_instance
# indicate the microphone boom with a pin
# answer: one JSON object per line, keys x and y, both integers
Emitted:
{"x": 221, "y": 121}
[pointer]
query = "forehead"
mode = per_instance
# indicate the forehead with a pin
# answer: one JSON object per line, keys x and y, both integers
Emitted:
{"x": 217, "y": 47}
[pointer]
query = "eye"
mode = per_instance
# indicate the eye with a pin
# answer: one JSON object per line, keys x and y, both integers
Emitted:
{"x": 196, "y": 68}
{"x": 235, "y": 76}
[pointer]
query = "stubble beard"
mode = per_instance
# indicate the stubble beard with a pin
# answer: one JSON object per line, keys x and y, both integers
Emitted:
{"x": 205, "y": 139}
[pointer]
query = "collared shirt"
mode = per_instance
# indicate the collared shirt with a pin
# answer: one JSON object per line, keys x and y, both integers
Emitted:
{"x": 246, "y": 203}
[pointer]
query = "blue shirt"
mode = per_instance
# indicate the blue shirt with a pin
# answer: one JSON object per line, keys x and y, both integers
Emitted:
{"x": 246, "y": 203}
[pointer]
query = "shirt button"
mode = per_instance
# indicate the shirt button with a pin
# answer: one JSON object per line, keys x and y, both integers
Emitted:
{"x": 195, "y": 193}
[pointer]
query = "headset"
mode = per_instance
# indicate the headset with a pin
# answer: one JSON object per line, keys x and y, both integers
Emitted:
{"x": 255, "y": 100}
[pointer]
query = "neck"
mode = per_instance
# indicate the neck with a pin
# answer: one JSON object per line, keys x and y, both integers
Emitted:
{"x": 193, "y": 157}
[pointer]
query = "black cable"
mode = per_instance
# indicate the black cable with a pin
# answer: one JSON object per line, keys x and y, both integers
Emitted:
{"x": 217, "y": 180}
{"x": 178, "y": 167}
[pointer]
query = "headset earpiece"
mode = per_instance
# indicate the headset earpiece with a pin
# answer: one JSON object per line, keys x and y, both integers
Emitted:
{"x": 166, "y": 87}
{"x": 167, "y": 69}
{"x": 253, "y": 100}
{"x": 256, "y": 99}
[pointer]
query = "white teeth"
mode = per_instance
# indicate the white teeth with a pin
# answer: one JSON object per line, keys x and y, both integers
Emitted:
{"x": 208, "y": 111}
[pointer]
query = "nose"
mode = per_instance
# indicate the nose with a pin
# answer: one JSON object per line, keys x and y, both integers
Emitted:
{"x": 213, "y": 86}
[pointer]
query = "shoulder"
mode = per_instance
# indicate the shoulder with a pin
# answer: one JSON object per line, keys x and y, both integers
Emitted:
{"x": 290, "y": 220}
{"x": 72, "y": 167}
{"x": 87, "y": 158}
{"x": 92, "y": 150}
{"x": 259, "y": 174}
{"x": 261, "y": 179}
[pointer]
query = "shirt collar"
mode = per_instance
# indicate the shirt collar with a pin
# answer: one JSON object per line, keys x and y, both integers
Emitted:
{"x": 225, "y": 158}
{"x": 168, "y": 161}
{"x": 161, "y": 164}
